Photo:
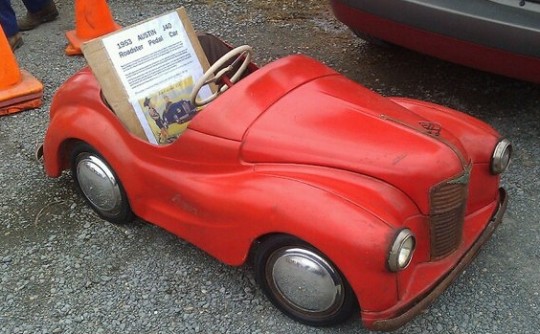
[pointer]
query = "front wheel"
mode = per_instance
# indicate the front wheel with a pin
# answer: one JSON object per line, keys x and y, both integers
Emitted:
{"x": 99, "y": 184}
{"x": 302, "y": 282}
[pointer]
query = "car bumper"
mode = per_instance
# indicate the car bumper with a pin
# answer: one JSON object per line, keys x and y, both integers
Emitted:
{"x": 485, "y": 35}
{"x": 485, "y": 23}
{"x": 417, "y": 305}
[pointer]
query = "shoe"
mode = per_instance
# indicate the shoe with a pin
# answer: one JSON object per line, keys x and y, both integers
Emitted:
{"x": 15, "y": 41}
{"x": 32, "y": 20}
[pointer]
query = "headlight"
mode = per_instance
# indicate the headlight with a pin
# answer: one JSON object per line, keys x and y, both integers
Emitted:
{"x": 501, "y": 156}
{"x": 402, "y": 250}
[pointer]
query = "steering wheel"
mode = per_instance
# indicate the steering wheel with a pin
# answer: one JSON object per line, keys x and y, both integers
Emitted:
{"x": 214, "y": 74}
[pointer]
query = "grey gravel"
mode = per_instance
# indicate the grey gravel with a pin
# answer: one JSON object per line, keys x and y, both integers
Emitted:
{"x": 64, "y": 270}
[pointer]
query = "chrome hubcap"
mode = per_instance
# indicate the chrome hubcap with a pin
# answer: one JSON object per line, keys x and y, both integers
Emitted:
{"x": 305, "y": 281}
{"x": 98, "y": 184}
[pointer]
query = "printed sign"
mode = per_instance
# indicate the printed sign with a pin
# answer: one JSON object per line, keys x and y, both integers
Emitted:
{"x": 154, "y": 64}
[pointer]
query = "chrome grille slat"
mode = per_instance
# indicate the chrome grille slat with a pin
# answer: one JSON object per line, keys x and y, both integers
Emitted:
{"x": 447, "y": 214}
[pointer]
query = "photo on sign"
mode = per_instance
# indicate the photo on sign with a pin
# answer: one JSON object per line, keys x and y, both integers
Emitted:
{"x": 169, "y": 110}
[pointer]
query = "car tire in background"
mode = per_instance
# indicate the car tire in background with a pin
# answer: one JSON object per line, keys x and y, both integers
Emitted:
{"x": 99, "y": 184}
{"x": 302, "y": 282}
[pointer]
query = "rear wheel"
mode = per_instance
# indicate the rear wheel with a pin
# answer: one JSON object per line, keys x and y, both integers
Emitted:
{"x": 302, "y": 282}
{"x": 99, "y": 184}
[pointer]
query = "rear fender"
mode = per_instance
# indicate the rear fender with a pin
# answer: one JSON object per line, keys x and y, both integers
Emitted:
{"x": 101, "y": 131}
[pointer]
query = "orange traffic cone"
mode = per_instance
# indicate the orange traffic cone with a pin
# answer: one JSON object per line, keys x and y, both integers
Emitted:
{"x": 92, "y": 19}
{"x": 19, "y": 90}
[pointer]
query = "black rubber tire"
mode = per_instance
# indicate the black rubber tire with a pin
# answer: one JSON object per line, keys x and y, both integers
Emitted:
{"x": 347, "y": 306}
{"x": 121, "y": 215}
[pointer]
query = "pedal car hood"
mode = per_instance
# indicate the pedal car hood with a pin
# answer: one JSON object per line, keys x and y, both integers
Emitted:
{"x": 333, "y": 122}
{"x": 298, "y": 111}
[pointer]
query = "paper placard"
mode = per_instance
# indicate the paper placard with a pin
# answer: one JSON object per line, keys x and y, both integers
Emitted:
{"x": 147, "y": 72}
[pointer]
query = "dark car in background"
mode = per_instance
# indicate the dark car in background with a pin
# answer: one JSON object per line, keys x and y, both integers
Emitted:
{"x": 498, "y": 36}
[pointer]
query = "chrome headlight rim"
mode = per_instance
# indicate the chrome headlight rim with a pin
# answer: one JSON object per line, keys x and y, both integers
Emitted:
{"x": 502, "y": 154}
{"x": 401, "y": 251}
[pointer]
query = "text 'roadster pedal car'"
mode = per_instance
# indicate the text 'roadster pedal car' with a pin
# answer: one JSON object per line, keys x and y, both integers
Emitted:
{"x": 345, "y": 200}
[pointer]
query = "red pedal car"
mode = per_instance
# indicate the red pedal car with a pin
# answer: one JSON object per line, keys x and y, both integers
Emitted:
{"x": 346, "y": 201}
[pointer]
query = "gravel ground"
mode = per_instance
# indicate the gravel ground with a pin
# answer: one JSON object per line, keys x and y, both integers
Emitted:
{"x": 64, "y": 270}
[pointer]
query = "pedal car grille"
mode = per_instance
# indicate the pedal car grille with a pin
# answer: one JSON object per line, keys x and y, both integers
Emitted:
{"x": 447, "y": 215}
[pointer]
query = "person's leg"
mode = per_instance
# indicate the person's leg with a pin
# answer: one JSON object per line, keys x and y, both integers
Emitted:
{"x": 35, "y": 5}
{"x": 8, "y": 19}
{"x": 9, "y": 24}
{"x": 39, "y": 11}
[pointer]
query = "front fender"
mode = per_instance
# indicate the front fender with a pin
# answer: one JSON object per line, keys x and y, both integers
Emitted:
{"x": 350, "y": 218}
{"x": 382, "y": 200}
